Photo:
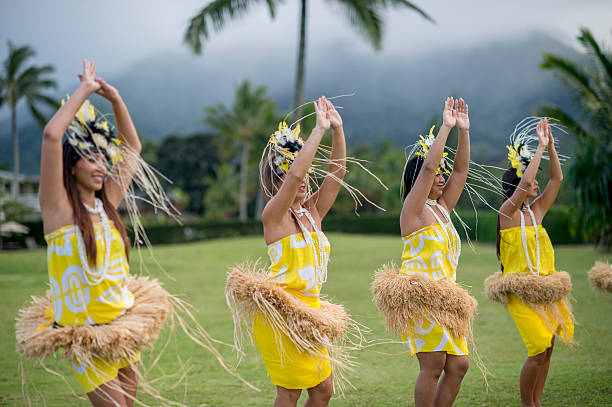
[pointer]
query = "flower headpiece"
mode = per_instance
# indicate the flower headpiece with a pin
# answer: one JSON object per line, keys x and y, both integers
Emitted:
{"x": 284, "y": 144}
{"x": 523, "y": 137}
{"x": 519, "y": 157}
{"x": 425, "y": 144}
{"x": 90, "y": 133}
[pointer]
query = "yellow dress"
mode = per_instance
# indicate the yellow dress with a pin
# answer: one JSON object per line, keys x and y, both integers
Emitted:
{"x": 426, "y": 252}
{"x": 79, "y": 299}
{"x": 534, "y": 330}
{"x": 293, "y": 267}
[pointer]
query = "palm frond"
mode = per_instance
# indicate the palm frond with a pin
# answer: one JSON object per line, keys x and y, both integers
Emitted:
{"x": 406, "y": 4}
{"x": 217, "y": 13}
{"x": 364, "y": 16}
{"x": 40, "y": 118}
{"x": 16, "y": 57}
{"x": 571, "y": 74}
{"x": 602, "y": 59}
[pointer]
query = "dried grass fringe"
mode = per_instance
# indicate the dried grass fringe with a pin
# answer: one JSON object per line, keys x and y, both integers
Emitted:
{"x": 404, "y": 300}
{"x": 600, "y": 276}
{"x": 248, "y": 293}
{"x": 547, "y": 295}
{"x": 120, "y": 339}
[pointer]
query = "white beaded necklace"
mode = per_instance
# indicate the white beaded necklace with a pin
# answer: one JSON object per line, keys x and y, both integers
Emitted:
{"x": 320, "y": 263}
{"x": 524, "y": 239}
{"x": 96, "y": 275}
{"x": 449, "y": 229}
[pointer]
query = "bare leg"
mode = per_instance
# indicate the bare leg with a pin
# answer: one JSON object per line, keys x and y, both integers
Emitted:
{"x": 129, "y": 382}
{"x": 320, "y": 395}
{"x": 541, "y": 380}
{"x": 529, "y": 376}
{"x": 286, "y": 397}
{"x": 431, "y": 365}
{"x": 108, "y": 395}
{"x": 448, "y": 387}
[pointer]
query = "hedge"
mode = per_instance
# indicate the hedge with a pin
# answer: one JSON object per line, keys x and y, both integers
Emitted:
{"x": 557, "y": 223}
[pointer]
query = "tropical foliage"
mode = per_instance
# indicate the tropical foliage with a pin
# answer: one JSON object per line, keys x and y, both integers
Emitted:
{"x": 590, "y": 171}
{"x": 249, "y": 120}
{"x": 19, "y": 81}
{"x": 364, "y": 15}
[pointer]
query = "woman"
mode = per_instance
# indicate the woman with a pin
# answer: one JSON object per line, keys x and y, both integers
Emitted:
{"x": 292, "y": 327}
{"x": 534, "y": 293}
{"x": 99, "y": 315}
{"x": 423, "y": 304}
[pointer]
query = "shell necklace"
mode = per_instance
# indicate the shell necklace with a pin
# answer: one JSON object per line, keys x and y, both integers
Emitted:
{"x": 449, "y": 230}
{"x": 96, "y": 275}
{"x": 532, "y": 269}
{"x": 321, "y": 256}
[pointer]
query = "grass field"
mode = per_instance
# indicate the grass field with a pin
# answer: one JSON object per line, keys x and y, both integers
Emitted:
{"x": 579, "y": 376}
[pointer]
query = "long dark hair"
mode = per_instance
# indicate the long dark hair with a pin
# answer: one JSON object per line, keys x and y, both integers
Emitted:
{"x": 81, "y": 216}
{"x": 510, "y": 182}
{"x": 411, "y": 173}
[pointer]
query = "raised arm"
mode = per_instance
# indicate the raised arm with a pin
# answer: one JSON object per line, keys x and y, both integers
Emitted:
{"x": 545, "y": 201}
{"x": 461, "y": 164}
{"x": 527, "y": 180}
{"x": 52, "y": 194}
{"x": 277, "y": 207}
{"x": 415, "y": 200}
{"x": 116, "y": 187}
{"x": 325, "y": 197}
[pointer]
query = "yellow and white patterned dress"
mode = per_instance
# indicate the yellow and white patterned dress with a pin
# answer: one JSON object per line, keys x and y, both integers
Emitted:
{"x": 427, "y": 253}
{"x": 534, "y": 331}
{"x": 79, "y": 300}
{"x": 293, "y": 267}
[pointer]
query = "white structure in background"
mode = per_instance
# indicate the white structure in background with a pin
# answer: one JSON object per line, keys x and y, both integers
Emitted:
{"x": 28, "y": 188}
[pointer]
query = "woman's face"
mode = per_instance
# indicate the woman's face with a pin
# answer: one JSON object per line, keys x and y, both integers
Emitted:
{"x": 438, "y": 186}
{"x": 302, "y": 189}
{"x": 533, "y": 191}
{"x": 89, "y": 172}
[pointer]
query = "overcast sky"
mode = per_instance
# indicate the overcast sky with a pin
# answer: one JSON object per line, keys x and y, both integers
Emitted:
{"x": 117, "y": 33}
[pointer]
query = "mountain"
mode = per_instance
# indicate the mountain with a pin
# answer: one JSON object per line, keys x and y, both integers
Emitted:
{"x": 396, "y": 97}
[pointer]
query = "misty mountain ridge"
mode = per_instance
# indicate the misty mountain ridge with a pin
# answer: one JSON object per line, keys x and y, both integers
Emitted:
{"x": 396, "y": 97}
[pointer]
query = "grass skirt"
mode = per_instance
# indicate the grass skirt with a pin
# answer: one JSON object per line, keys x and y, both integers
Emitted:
{"x": 404, "y": 300}
{"x": 600, "y": 276}
{"x": 120, "y": 339}
{"x": 547, "y": 295}
{"x": 249, "y": 293}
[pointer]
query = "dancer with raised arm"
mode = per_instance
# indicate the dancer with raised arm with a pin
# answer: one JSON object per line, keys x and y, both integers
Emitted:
{"x": 422, "y": 303}
{"x": 532, "y": 290}
{"x": 100, "y": 315}
{"x": 299, "y": 336}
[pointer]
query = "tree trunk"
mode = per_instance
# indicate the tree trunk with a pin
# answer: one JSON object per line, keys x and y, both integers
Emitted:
{"x": 15, "y": 188}
{"x": 299, "y": 78}
{"x": 244, "y": 169}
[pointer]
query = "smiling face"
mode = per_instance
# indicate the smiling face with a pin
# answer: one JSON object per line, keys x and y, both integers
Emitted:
{"x": 533, "y": 191}
{"x": 437, "y": 187}
{"x": 90, "y": 172}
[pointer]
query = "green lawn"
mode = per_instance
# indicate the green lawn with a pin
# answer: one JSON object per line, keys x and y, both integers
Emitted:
{"x": 579, "y": 376}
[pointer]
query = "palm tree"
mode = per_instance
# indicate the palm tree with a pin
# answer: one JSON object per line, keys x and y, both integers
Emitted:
{"x": 250, "y": 116}
{"x": 18, "y": 81}
{"x": 364, "y": 15}
{"x": 591, "y": 172}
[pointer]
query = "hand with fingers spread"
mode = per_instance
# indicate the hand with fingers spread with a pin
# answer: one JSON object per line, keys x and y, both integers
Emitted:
{"x": 334, "y": 116}
{"x": 542, "y": 133}
{"x": 323, "y": 115}
{"x": 463, "y": 119}
{"x": 88, "y": 77}
{"x": 449, "y": 116}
